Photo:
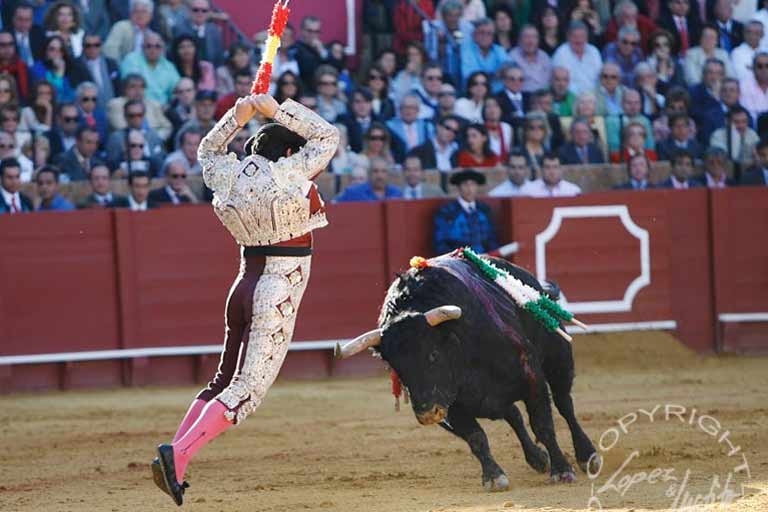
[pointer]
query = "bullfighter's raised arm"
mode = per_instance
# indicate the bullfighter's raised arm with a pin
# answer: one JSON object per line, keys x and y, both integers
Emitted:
{"x": 218, "y": 165}
{"x": 322, "y": 140}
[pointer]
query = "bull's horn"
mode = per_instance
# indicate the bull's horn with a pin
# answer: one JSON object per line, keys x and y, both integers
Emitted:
{"x": 357, "y": 345}
{"x": 442, "y": 314}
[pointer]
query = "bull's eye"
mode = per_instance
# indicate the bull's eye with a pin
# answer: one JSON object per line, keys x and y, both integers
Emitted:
{"x": 433, "y": 356}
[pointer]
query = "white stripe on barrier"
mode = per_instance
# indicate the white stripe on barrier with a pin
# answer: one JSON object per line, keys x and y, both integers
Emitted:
{"x": 197, "y": 350}
{"x": 743, "y": 317}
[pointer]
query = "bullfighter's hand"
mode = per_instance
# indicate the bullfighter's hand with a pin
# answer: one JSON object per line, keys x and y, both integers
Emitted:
{"x": 247, "y": 107}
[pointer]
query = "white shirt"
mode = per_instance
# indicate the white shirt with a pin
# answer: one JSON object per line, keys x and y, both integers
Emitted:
{"x": 741, "y": 58}
{"x": 173, "y": 195}
{"x": 585, "y": 70}
{"x": 506, "y": 189}
{"x": 538, "y": 188}
{"x": 762, "y": 17}
{"x": 443, "y": 155}
{"x": 410, "y": 192}
{"x": 136, "y": 207}
{"x": 103, "y": 200}
{"x": 470, "y": 111}
{"x": 753, "y": 98}
{"x": 467, "y": 207}
{"x": 9, "y": 200}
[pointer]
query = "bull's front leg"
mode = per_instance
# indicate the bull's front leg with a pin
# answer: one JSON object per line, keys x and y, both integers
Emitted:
{"x": 534, "y": 456}
{"x": 466, "y": 427}
{"x": 540, "y": 415}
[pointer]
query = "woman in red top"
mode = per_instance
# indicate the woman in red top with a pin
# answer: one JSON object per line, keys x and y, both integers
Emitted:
{"x": 634, "y": 144}
{"x": 478, "y": 151}
{"x": 500, "y": 133}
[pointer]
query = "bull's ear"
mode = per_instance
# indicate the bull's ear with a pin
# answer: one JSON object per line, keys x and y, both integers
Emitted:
{"x": 442, "y": 314}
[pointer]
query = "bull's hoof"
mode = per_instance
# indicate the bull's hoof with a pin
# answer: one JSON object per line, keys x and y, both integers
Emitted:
{"x": 566, "y": 477}
{"x": 538, "y": 459}
{"x": 498, "y": 484}
{"x": 593, "y": 465}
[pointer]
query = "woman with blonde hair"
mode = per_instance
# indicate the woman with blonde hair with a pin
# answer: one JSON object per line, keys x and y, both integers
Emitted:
{"x": 9, "y": 94}
{"x": 377, "y": 143}
{"x": 534, "y": 144}
{"x": 63, "y": 19}
{"x": 586, "y": 107}
{"x": 35, "y": 153}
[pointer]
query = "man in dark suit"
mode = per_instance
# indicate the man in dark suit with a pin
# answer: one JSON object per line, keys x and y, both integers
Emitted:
{"x": 513, "y": 101}
{"x": 758, "y": 175}
{"x": 679, "y": 139}
{"x": 101, "y": 195}
{"x": 407, "y": 130}
{"x": 63, "y": 135}
{"x": 680, "y": 172}
{"x": 683, "y": 23}
{"x": 639, "y": 168}
{"x": 581, "y": 150}
{"x": 176, "y": 190}
{"x": 706, "y": 108}
{"x": 30, "y": 38}
{"x": 11, "y": 200}
{"x": 715, "y": 169}
{"x": 78, "y": 160}
{"x": 309, "y": 50}
{"x": 439, "y": 151}
{"x": 730, "y": 31}
{"x": 210, "y": 42}
{"x": 104, "y": 72}
{"x": 138, "y": 200}
{"x": 358, "y": 117}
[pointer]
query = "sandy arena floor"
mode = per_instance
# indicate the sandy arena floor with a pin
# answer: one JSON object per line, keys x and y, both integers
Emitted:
{"x": 338, "y": 445}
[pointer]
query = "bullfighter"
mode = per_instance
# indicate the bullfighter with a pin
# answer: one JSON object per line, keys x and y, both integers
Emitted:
{"x": 270, "y": 205}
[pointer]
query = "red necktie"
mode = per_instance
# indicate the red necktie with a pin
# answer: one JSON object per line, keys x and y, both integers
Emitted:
{"x": 90, "y": 120}
{"x": 683, "y": 37}
{"x": 14, "y": 206}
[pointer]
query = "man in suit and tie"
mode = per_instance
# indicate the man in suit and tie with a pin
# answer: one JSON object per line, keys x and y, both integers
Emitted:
{"x": 63, "y": 135}
{"x": 683, "y": 23}
{"x": 76, "y": 163}
{"x": 680, "y": 172}
{"x": 138, "y": 200}
{"x": 11, "y": 200}
{"x": 639, "y": 168}
{"x": 512, "y": 99}
{"x": 210, "y": 41}
{"x": 408, "y": 131}
{"x": 438, "y": 152}
{"x": 415, "y": 188}
{"x": 358, "y": 117}
{"x": 730, "y": 31}
{"x": 581, "y": 150}
{"x": 101, "y": 195}
{"x": 30, "y": 38}
{"x": 90, "y": 114}
{"x": 104, "y": 71}
{"x": 679, "y": 139}
{"x": 309, "y": 50}
{"x": 758, "y": 175}
{"x": 176, "y": 190}
{"x": 706, "y": 108}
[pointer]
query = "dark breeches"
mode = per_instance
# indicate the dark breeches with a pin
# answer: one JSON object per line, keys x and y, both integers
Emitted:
{"x": 239, "y": 311}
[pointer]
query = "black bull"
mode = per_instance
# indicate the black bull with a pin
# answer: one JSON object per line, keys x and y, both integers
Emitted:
{"x": 479, "y": 365}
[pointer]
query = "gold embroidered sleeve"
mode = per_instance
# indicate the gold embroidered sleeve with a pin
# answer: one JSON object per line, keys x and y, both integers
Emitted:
{"x": 218, "y": 166}
{"x": 322, "y": 139}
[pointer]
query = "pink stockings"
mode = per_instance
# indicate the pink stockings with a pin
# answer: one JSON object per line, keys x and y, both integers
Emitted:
{"x": 202, "y": 423}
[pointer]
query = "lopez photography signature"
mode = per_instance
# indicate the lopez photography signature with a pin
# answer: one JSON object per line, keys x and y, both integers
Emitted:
{"x": 723, "y": 489}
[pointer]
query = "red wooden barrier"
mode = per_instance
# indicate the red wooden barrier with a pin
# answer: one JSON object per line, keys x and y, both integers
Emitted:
{"x": 72, "y": 282}
{"x": 740, "y": 253}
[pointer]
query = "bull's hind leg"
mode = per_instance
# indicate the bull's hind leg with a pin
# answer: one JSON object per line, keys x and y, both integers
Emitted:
{"x": 540, "y": 414}
{"x": 583, "y": 447}
{"x": 560, "y": 377}
{"x": 534, "y": 456}
{"x": 466, "y": 427}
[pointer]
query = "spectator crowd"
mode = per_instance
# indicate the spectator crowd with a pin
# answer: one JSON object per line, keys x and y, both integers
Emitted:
{"x": 93, "y": 90}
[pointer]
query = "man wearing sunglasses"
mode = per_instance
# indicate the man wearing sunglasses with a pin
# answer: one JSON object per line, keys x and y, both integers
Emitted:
{"x": 198, "y": 24}
{"x": 626, "y": 53}
{"x": 105, "y": 72}
{"x": 159, "y": 73}
{"x": 91, "y": 115}
{"x": 754, "y": 90}
{"x": 176, "y": 190}
{"x": 270, "y": 205}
